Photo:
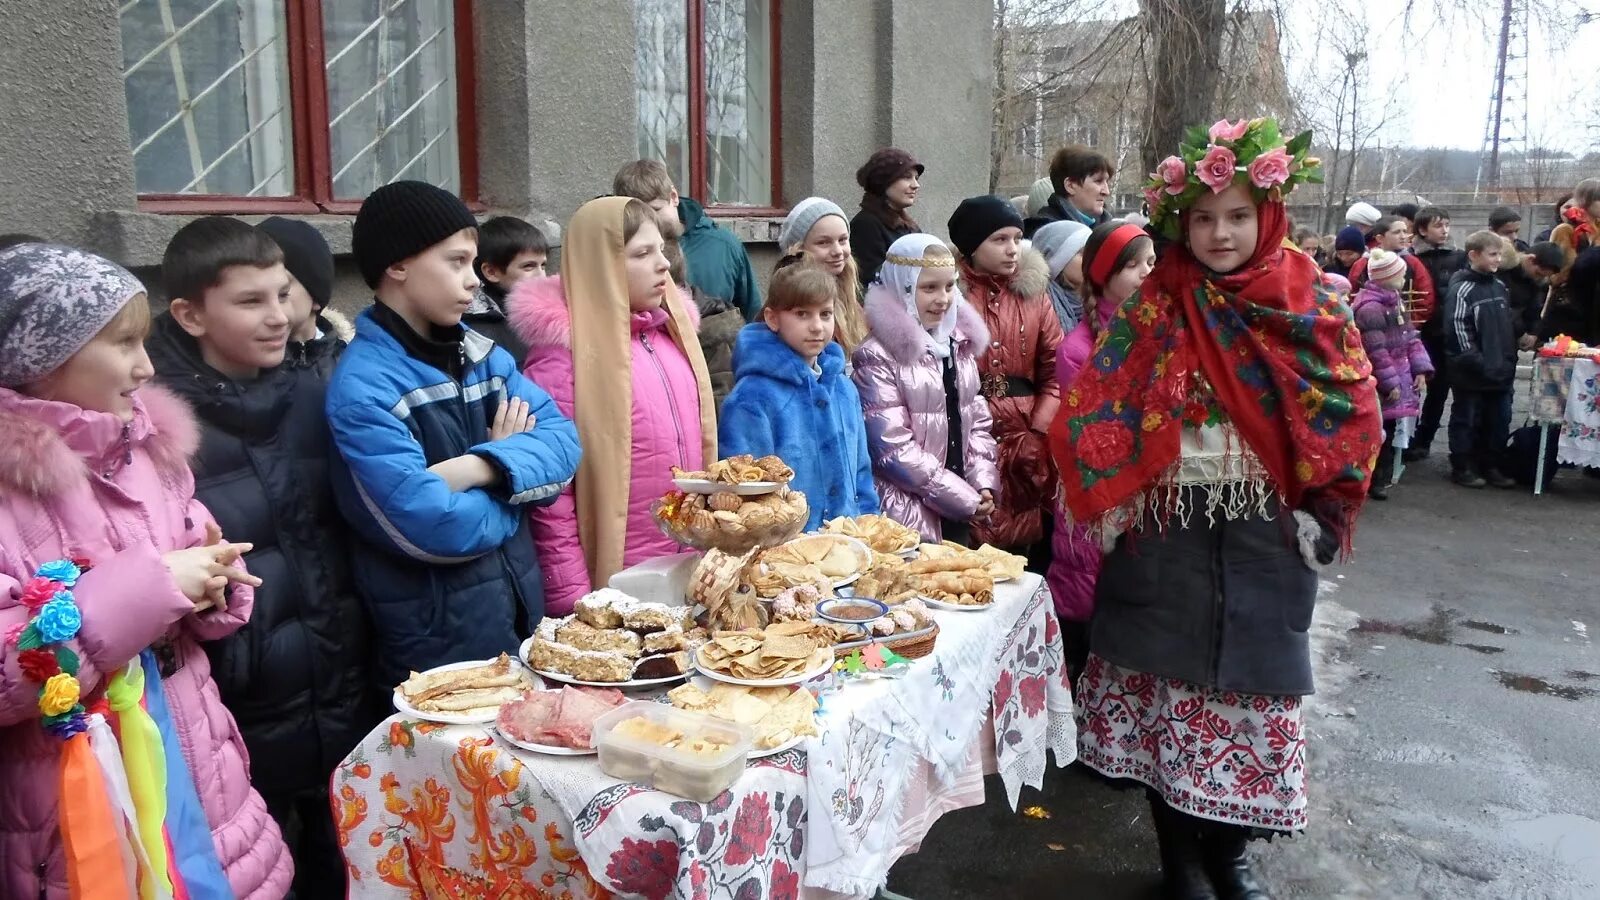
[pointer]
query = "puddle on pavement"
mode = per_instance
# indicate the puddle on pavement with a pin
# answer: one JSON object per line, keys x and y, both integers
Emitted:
{"x": 1490, "y": 627}
{"x": 1581, "y": 675}
{"x": 1435, "y": 629}
{"x": 1533, "y": 684}
{"x": 1572, "y": 839}
{"x": 1438, "y": 629}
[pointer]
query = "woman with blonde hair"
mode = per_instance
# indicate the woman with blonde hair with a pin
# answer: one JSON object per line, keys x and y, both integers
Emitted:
{"x": 817, "y": 229}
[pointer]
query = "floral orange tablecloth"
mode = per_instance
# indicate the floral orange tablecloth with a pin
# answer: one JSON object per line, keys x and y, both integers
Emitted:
{"x": 426, "y": 810}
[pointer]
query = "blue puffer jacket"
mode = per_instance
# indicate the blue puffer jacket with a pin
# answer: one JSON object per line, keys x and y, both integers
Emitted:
{"x": 779, "y": 406}
{"x": 447, "y": 576}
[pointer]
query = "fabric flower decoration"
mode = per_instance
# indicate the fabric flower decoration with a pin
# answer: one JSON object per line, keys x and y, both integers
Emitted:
{"x": 60, "y": 694}
{"x": 39, "y": 591}
{"x": 1216, "y": 168}
{"x": 58, "y": 620}
{"x": 1223, "y": 130}
{"x": 38, "y": 664}
{"x": 68, "y": 725}
{"x": 1175, "y": 173}
{"x": 13, "y": 633}
{"x": 1152, "y": 198}
{"x": 62, "y": 570}
{"x": 1270, "y": 168}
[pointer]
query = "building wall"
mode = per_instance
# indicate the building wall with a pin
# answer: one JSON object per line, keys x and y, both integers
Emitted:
{"x": 556, "y": 113}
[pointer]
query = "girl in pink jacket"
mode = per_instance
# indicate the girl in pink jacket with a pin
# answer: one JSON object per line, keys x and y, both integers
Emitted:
{"x": 94, "y": 468}
{"x": 1115, "y": 261}
{"x": 637, "y": 388}
{"x": 928, "y": 426}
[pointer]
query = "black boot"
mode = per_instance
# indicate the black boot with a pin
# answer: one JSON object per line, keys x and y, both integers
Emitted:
{"x": 1415, "y": 453}
{"x": 1463, "y": 473}
{"x": 1229, "y": 864}
{"x": 1183, "y": 869}
{"x": 1498, "y": 479}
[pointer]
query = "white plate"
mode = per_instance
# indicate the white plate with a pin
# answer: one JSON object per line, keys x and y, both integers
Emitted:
{"x": 522, "y": 656}
{"x": 908, "y": 553}
{"x": 790, "y": 744}
{"x": 862, "y": 551}
{"x": 747, "y": 489}
{"x": 546, "y": 749}
{"x": 955, "y": 607}
{"x": 823, "y": 654}
{"x": 444, "y": 718}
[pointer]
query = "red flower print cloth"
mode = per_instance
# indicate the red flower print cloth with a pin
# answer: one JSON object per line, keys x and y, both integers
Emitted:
{"x": 1220, "y": 755}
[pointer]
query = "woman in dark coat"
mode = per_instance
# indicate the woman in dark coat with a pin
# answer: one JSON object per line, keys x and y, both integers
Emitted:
{"x": 890, "y": 178}
{"x": 1219, "y": 442}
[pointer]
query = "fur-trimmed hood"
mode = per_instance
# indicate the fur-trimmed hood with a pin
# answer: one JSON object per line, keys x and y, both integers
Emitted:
{"x": 1031, "y": 279}
{"x": 47, "y": 447}
{"x": 537, "y": 311}
{"x": 338, "y": 324}
{"x": 904, "y": 338}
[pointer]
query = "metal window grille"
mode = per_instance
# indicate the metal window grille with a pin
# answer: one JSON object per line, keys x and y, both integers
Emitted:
{"x": 713, "y": 128}
{"x": 208, "y": 96}
{"x": 391, "y": 74}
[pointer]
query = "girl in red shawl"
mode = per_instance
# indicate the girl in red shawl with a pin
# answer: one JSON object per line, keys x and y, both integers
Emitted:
{"x": 1219, "y": 441}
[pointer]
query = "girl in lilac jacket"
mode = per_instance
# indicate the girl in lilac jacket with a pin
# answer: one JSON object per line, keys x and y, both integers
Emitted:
{"x": 933, "y": 456}
{"x": 1399, "y": 361}
{"x": 637, "y": 388}
{"x": 1115, "y": 260}
{"x": 94, "y": 466}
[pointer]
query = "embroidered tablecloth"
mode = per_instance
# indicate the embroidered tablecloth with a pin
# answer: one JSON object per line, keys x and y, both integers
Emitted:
{"x": 894, "y": 755}
{"x": 1551, "y": 383}
{"x": 1580, "y": 433}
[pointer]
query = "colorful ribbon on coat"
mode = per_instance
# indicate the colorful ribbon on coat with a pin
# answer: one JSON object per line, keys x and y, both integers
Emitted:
{"x": 144, "y": 763}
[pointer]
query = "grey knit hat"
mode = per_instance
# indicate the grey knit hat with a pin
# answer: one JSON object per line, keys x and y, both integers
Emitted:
{"x": 53, "y": 301}
{"x": 802, "y": 216}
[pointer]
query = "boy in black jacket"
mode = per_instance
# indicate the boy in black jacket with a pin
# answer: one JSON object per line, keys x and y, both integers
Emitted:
{"x": 1481, "y": 340}
{"x": 295, "y": 677}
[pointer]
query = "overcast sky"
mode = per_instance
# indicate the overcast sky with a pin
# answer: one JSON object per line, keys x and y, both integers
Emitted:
{"x": 1442, "y": 71}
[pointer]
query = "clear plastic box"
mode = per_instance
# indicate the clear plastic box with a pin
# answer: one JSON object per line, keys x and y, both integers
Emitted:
{"x": 673, "y": 769}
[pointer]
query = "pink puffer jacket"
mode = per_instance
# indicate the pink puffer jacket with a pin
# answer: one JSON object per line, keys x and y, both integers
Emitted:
{"x": 666, "y": 432}
{"x": 908, "y": 428}
{"x": 79, "y": 484}
{"x": 1075, "y": 556}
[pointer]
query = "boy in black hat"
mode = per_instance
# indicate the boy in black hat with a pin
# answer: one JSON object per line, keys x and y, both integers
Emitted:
{"x": 317, "y": 334}
{"x": 443, "y": 444}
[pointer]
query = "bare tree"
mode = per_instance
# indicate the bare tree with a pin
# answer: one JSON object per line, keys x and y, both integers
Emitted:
{"x": 1185, "y": 40}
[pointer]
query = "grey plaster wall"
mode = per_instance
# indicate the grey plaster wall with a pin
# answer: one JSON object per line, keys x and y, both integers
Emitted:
{"x": 908, "y": 73}
{"x": 64, "y": 154}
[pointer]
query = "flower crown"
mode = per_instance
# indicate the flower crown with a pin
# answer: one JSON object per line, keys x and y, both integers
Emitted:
{"x": 1249, "y": 151}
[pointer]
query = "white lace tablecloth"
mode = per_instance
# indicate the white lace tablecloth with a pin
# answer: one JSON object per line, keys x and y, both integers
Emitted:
{"x": 828, "y": 821}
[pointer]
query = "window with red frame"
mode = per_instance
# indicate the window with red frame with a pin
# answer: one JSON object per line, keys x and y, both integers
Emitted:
{"x": 296, "y": 105}
{"x": 708, "y": 98}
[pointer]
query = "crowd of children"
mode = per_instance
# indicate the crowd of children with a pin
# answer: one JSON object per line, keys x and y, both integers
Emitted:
{"x": 244, "y": 520}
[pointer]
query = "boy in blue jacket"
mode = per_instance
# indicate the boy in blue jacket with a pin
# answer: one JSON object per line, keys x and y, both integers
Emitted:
{"x": 792, "y": 398}
{"x": 444, "y": 443}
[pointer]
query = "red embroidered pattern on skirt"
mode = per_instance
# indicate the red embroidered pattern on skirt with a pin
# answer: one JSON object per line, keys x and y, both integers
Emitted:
{"x": 1220, "y": 755}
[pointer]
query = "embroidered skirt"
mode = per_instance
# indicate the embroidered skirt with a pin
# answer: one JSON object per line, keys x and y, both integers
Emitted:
{"x": 1220, "y": 755}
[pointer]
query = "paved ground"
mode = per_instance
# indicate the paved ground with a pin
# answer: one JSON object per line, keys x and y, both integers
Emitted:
{"x": 1456, "y": 733}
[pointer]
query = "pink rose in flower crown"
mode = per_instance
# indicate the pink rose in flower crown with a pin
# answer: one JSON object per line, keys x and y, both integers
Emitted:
{"x": 1173, "y": 171}
{"x": 1223, "y": 130}
{"x": 1216, "y": 168}
{"x": 1152, "y": 197}
{"x": 1270, "y": 168}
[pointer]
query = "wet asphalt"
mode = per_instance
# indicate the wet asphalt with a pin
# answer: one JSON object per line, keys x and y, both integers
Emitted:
{"x": 1455, "y": 737}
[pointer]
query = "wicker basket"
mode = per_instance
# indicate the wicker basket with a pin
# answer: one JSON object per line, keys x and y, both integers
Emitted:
{"x": 910, "y": 648}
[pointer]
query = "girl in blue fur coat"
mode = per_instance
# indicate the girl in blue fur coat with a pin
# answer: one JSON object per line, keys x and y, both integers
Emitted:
{"x": 791, "y": 398}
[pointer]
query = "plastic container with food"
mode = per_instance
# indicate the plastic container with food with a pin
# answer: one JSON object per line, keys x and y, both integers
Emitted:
{"x": 688, "y": 754}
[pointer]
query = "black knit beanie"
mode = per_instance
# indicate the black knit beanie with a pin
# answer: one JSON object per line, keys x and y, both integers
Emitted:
{"x": 305, "y": 255}
{"x": 977, "y": 218}
{"x": 402, "y": 219}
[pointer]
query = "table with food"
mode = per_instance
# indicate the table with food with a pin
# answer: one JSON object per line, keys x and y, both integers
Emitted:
{"x": 766, "y": 715}
{"x": 1565, "y": 398}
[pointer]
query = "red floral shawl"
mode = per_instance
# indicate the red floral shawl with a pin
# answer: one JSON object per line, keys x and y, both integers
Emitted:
{"x": 1283, "y": 356}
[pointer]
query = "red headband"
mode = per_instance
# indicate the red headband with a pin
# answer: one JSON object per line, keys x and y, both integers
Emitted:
{"x": 1106, "y": 256}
